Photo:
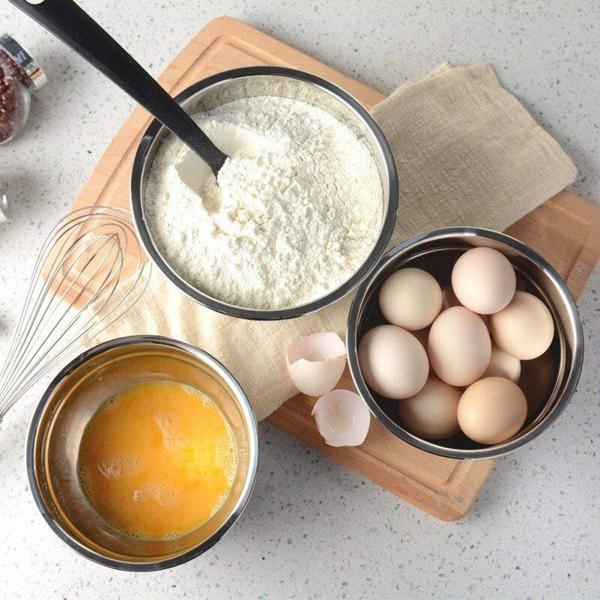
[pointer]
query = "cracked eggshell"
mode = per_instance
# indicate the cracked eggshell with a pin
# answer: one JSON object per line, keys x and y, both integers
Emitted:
{"x": 316, "y": 362}
{"x": 342, "y": 418}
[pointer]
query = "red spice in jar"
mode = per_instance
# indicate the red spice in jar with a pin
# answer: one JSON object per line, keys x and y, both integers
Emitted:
{"x": 9, "y": 95}
{"x": 19, "y": 76}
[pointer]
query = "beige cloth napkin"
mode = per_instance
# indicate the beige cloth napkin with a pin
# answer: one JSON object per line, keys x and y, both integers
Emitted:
{"x": 467, "y": 153}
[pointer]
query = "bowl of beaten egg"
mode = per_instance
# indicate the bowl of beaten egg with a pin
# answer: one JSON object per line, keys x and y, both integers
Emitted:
{"x": 142, "y": 453}
{"x": 465, "y": 343}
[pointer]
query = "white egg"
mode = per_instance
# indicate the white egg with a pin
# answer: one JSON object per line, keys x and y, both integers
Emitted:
{"x": 431, "y": 413}
{"x": 525, "y": 328}
{"x": 392, "y": 361}
{"x": 492, "y": 410}
{"x": 484, "y": 280}
{"x": 459, "y": 346}
{"x": 316, "y": 362}
{"x": 503, "y": 365}
{"x": 410, "y": 298}
{"x": 342, "y": 418}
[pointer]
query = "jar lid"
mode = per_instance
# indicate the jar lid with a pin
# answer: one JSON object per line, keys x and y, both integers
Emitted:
{"x": 29, "y": 66}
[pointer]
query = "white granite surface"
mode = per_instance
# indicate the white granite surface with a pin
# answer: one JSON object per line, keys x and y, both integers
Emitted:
{"x": 314, "y": 529}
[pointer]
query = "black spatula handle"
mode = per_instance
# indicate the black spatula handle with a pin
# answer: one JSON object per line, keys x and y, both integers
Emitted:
{"x": 71, "y": 24}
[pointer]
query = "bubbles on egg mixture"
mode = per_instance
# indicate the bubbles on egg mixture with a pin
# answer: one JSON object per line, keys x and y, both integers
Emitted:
{"x": 227, "y": 455}
{"x": 145, "y": 538}
{"x": 200, "y": 395}
{"x": 84, "y": 481}
{"x": 166, "y": 495}
{"x": 169, "y": 426}
{"x": 121, "y": 465}
{"x": 219, "y": 504}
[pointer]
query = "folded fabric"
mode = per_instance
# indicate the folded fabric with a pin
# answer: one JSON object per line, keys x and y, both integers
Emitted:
{"x": 467, "y": 153}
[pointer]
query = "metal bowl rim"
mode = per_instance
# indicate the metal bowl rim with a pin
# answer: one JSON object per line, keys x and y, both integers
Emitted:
{"x": 250, "y": 420}
{"x": 252, "y": 313}
{"x": 422, "y": 444}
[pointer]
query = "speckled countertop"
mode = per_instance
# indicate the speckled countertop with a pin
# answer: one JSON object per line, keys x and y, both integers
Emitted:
{"x": 314, "y": 529}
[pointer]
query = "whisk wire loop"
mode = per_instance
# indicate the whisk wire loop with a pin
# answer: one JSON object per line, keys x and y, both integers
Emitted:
{"x": 91, "y": 270}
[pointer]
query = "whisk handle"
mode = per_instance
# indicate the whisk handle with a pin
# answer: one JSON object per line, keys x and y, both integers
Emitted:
{"x": 71, "y": 24}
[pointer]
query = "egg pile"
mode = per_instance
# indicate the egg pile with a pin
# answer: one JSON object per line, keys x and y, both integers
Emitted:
{"x": 452, "y": 357}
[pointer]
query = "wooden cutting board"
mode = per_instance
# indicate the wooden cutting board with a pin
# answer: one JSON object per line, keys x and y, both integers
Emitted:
{"x": 566, "y": 230}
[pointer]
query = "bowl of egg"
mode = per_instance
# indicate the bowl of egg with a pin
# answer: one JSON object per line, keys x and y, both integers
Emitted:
{"x": 465, "y": 343}
{"x": 142, "y": 453}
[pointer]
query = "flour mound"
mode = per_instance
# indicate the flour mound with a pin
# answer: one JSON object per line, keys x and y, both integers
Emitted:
{"x": 295, "y": 212}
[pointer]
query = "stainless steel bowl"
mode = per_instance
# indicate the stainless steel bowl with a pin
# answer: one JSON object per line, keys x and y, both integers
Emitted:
{"x": 65, "y": 410}
{"x": 548, "y": 381}
{"x": 271, "y": 81}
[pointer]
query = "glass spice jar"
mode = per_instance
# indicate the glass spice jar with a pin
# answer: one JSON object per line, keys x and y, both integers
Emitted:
{"x": 19, "y": 76}
{"x": 3, "y": 207}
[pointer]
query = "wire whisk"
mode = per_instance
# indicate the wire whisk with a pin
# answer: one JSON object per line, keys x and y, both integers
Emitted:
{"x": 90, "y": 271}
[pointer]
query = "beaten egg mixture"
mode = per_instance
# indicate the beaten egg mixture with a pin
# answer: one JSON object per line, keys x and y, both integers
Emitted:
{"x": 157, "y": 460}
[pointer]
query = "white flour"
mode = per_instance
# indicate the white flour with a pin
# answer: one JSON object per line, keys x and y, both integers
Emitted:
{"x": 296, "y": 212}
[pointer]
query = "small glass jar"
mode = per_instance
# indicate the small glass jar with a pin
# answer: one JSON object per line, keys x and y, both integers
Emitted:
{"x": 19, "y": 76}
{"x": 3, "y": 207}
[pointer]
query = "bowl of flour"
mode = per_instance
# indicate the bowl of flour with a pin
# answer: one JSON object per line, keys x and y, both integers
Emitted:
{"x": 299, "y": 213}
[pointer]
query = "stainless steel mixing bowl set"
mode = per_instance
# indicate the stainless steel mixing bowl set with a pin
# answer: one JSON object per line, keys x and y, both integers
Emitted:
{"x": 567, "y": 352}
{"x": 57, "y": 425}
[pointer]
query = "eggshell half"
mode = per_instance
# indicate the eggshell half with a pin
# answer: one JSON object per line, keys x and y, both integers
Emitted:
{"x": 342, "y": 418}
{"x": 316, "y": 362}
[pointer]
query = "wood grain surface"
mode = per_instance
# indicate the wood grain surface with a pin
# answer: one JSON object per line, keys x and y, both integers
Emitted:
{"x": 566, "y": 230}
